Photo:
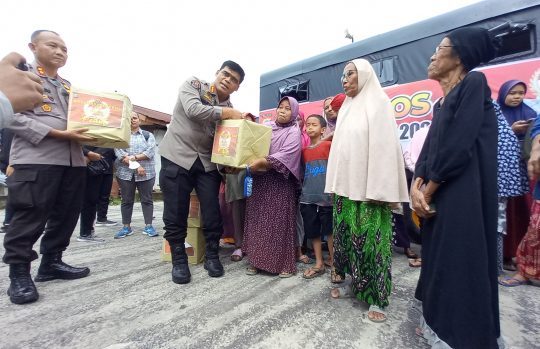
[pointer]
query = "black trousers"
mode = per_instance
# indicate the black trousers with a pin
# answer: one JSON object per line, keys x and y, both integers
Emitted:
{"x": 95, "y": 187}
{"x": 42, "y": 195}
{"x": 177, "y": 183}
{"x": 104, "y": 195}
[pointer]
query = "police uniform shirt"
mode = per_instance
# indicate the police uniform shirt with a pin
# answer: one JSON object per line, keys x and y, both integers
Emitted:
{"x": 191, "y": 131}
{"x": 31, "y": 145}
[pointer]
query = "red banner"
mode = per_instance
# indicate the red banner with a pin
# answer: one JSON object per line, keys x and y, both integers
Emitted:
{"x": 413, "y": 102}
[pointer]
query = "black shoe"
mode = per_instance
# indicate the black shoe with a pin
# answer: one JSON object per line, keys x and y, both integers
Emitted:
{"x": 52, "y": 267}
{"x": 214, "y": 267}
{"x": 211, "y": 262}
{"x": 180, "y": 270}
{"x": 105, "y": 223}
{"x": 21, "y": 289}
{"x": 181, "y": 273}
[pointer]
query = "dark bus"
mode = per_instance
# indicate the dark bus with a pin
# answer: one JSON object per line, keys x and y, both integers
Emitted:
{"x": 401, "y": 57}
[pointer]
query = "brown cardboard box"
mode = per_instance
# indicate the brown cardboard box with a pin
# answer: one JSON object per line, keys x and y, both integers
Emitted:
{"x": 238, "y": 142}
{"x": 194, "y": 216}
{"x": 107, "y": 116}
{"x": 195, "y": 247}
{"x": 195, "y": 242}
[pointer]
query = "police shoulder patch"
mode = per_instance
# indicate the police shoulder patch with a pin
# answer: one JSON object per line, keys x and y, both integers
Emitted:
{"x": 196, "y": 84}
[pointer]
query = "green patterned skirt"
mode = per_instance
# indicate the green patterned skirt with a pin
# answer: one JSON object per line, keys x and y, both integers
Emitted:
{"x": 362, "y": 248}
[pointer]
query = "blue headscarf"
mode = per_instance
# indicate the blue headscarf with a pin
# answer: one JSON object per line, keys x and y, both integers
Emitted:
{"x": 513, "y": 114}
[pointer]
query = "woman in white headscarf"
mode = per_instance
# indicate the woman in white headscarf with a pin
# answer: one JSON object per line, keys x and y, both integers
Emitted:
{"x": 366, "y": 173}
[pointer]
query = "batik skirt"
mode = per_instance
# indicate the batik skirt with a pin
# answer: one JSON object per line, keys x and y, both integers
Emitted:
{"x": 528, "y": 252}
{"x": 362, "y": 248}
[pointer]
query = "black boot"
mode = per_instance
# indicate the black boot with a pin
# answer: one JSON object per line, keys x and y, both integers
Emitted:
{"x": 180, "y": 270}
{"x": 211, "y": 259}
{"x": 21, "y": 289}
{"x": 52, "y": 268}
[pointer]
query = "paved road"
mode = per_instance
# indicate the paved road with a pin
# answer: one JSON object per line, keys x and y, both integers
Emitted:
{"x": 128, "y": 301}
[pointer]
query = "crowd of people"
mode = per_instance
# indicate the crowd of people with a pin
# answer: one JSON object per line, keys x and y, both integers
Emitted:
{"x": 339, "y": 177}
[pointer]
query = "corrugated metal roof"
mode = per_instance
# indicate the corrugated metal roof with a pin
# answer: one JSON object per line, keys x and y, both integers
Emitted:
{"x": 154, "y": 114}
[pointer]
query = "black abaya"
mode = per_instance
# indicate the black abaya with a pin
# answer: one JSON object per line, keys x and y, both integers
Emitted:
{"x": 458, "y": 285}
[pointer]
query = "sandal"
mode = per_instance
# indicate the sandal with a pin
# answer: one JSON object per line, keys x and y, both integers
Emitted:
{"x": 313, "y": 272}
{"x": 410, "y": 253}
{"x": 304, "y": 259}
{"x": 285, "y": 275}
{"x": 415, "y": 263}
{"x": 373, "y": 309}
{"x": 237, "y": 255}
{"x": 328, "y": 263}
{"x": 252, "y": 271}
{"x": 335, "y": 278}
{"x": 342, "y": 292}
{"x": 512, "y": 281}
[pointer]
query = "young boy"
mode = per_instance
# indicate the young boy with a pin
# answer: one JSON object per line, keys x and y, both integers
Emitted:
{"x": 315, "y": 205}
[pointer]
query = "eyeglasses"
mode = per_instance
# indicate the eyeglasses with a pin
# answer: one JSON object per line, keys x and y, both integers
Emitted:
{"x": 438, "y": 48}
{"x": 228, "y": 75}
{"x": 346, "y": 75}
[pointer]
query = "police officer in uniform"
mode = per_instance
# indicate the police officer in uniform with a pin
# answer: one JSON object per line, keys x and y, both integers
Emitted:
{"x": 185, "y": 164}
{"x": 49, "y": 172}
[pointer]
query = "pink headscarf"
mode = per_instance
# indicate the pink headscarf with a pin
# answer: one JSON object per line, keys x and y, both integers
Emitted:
{"x": 285, "y": 145}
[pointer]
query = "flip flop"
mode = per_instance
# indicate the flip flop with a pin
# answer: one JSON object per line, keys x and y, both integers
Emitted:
{"x": 285, "y": 275}
{"x": 512, "y": 282}
{"x": 304, "y": 259}
{"x": 252, "y": 271}
{"x": 335, "y": 278}
{"x": 328, "y": 263}
{"x": 376, "y": 309}
{"x": 237, "y": 255}
{"x": 313, "y": 272}
{"x": 415, "y": 263}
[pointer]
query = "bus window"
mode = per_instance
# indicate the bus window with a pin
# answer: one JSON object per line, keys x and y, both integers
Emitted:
{"x": 384, "y": 69}
{"x": 517, "y": 40}
{"x": 298, "y": 90}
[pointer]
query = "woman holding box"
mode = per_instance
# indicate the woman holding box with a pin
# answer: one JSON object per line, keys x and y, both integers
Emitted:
{"x": 270, "y": 226}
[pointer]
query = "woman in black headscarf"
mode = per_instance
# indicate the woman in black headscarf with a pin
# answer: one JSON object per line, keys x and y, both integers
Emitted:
{"x": 455, "y": 192}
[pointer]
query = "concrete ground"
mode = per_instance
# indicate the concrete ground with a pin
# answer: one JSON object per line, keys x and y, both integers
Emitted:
{"x": 129, "y": 301}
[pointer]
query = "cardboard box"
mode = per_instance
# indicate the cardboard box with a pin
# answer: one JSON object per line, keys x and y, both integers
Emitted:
{"x": 194, "y": 206}
{"x": 194, "y": 215}
{"x": 266, "y": 118}
{"x": 195, "y": 247}
{"x": 106, "y": 115}
{"x": 238, "y": 142}
{"x": 195, "y": 242}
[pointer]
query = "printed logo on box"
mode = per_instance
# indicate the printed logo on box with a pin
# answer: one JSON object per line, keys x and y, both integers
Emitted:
{"x": 225, "y": 141}
{"x": 92, "y": 110}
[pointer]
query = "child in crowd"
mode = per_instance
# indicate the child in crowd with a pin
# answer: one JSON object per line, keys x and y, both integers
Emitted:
{"x": 315, "y": 205}
{"x": 519, "y": 116}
